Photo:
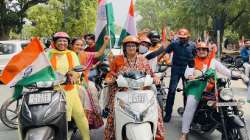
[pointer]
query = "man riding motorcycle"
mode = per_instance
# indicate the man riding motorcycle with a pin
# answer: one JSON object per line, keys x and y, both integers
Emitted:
{"x": 62, "y": 61}
{"x": 202, "y": 62}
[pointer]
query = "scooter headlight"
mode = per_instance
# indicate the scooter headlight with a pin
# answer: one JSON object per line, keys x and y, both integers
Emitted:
{"x": 226, "y": 94}
{"x": 46, "y": 84}
{"x": 136, "y": 84}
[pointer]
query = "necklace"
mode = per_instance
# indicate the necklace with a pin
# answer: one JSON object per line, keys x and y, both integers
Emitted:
{"x": 132, "y": 62}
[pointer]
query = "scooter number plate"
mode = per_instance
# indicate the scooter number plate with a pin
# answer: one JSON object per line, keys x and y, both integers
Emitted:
{"x": 137, "y": 99}
{"x": 42, "y": 98}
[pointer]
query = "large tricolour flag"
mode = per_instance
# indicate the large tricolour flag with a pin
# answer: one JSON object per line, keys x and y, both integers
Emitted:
{"x": 105, "y": 23}
{"x": 130, "y": 24}
{"x": 29, "y": 66}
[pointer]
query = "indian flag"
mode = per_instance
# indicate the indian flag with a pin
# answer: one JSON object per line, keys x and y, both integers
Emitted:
{"x": 29, "y": 66}
{"x": 130, "y": 24}
{"x": 105, "y": 23}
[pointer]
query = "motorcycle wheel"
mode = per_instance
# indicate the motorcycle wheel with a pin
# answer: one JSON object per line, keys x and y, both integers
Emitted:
{"x": 9, "y": 112}
{"x": 237, "y": 134}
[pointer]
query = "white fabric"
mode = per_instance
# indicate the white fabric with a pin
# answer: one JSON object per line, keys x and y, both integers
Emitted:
{"x": 248, "y": 93}
{"x": 247, "y": 69}
{"x": 215, "y": 64}
{"x": 152, "y": 62}
{"x": 188, "y": 115}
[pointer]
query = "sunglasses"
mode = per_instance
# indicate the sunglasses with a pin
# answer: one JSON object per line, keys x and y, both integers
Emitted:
{"x": 131, "y": 46}
{"x": 145, "y": 44}
{"x": 202, "y": 49}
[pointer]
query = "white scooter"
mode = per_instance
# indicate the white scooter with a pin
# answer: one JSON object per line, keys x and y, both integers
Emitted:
{"x": 136, "y": 111}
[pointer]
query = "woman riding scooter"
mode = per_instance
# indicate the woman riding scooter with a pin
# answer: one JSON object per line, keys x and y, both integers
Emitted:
{"x": 63, "y": 61}
{"x": 129, "y": 61}
{"x": 202, "y": 62}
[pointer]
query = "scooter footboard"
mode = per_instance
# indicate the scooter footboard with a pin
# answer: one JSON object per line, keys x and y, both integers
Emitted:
{"x": 41, "y": 133}
{"x": 141, "y": 131}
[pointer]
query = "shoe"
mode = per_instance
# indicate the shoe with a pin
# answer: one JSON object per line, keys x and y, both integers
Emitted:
{"x": 183, "y": 137}
{"x": 167, "y": 118}
{"x": 180, "y": 111}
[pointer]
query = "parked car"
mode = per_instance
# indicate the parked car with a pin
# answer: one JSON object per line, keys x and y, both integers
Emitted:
{"x": 8, "y": 49}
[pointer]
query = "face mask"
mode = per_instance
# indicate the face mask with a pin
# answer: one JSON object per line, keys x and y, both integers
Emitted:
{"x": 143, "y": 49}
{"x": 183, "y": 41}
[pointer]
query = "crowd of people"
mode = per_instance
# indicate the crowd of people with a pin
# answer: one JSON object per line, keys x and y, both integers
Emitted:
{"x": 141, "y": 53}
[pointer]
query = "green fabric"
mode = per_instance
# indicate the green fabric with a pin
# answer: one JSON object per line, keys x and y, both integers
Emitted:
{"x": 197, "y": 87}
{"x": 109, "y": 29}
{"x": 17, "y": 92}
{"x": 123, "y": 34}
{"x": 46, "y": 74}
{"x": 110, "y": 22}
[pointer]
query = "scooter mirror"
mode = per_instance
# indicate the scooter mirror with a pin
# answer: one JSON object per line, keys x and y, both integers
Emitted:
{"x": 79, "y": 68}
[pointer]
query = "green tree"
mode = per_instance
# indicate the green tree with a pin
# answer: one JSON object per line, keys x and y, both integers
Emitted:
{"x": 80, "y": 17}
{"x": 196, "y": 15}
{"x": 210, "y": 14}
{"x": 154, "y": 13}
{"x": 46, "y": 19}
{"x": 75, "y": 17}
{"x": 12, "y": 14}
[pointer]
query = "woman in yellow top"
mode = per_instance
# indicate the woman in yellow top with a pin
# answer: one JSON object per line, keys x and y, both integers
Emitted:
{"x": 63, "y": 61}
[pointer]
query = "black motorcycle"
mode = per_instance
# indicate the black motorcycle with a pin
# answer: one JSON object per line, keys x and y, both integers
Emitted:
{"x": 233, "y": 63}
{"x": 220, "y": 112}
{"x": 162, "y": 89}
{"x": 102, "y": 69}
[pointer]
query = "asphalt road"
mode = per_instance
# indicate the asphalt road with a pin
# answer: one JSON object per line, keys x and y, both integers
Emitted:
{"x": 172, "y": 129}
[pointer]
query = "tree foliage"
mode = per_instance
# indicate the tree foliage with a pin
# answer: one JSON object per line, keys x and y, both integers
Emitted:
{"x": 75, "y": 17}
{"x": 198, "y": 15}
{"x": 12, "y": 14}
{"x": 154, "y": 13}
{"x": 45, "y": 18}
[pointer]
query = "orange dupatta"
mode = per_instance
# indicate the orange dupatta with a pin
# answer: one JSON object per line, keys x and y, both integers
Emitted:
{"x": 199, "y": 65}
{"x": 53, "y": 62}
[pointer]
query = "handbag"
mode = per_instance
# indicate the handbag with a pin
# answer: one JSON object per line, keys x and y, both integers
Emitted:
{"x": 94, "y": 118}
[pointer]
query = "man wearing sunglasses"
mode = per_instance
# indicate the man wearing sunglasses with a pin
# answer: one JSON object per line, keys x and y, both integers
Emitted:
{"x": 183, "y": 52}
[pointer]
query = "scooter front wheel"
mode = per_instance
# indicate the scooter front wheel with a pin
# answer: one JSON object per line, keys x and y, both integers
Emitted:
{"x": 9, "y": 112}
